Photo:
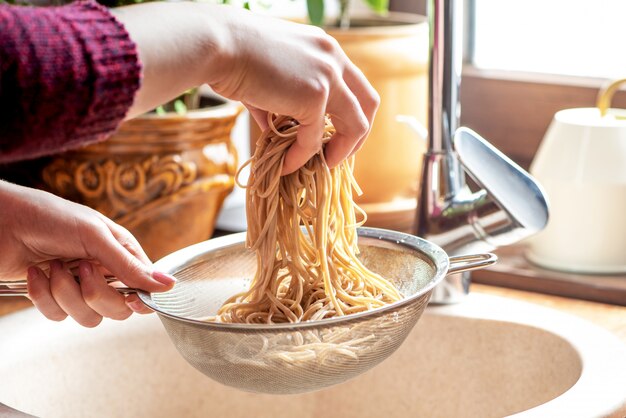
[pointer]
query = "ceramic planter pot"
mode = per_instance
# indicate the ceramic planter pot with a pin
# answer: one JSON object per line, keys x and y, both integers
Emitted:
{"x": 392, "y": 52}
{"x": 162, "y": 177}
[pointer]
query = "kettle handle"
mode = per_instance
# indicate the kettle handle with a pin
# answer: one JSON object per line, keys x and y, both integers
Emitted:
{"x": 606, "y": 95}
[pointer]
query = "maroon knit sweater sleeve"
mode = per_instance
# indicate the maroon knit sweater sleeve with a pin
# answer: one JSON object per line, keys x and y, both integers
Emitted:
{"x": 68, "y": 75}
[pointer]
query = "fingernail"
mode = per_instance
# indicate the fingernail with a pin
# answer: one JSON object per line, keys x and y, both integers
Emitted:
{"x": 135, "y": 305}
{"x": 163, "y": 278}
{"x": 85, "y": 268}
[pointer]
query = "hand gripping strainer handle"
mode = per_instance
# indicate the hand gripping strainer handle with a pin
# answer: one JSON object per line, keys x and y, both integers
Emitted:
{"x": 457, "y": 264}
{"x": 19, "y": 288}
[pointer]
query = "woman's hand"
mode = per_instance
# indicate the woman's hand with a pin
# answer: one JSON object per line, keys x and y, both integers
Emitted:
{"x": 271, "y": 65}
{"x": 38, "y": 229}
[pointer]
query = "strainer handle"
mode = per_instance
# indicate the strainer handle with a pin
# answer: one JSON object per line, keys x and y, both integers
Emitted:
{"x": 461, "y": 263}
{"x": 19, "y": 288}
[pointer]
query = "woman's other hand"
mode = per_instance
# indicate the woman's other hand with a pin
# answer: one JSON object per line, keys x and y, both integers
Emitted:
{"x": 41, "y": 230}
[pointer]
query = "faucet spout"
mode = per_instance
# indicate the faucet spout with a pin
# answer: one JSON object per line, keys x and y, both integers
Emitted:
{"x": 445, "y": 65}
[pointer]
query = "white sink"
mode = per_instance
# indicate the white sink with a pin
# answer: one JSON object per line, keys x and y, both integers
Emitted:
{"x": 486, "y": 357}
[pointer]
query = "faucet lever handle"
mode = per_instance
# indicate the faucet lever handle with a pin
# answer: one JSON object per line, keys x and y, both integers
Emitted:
{"x": 506, "y": 183}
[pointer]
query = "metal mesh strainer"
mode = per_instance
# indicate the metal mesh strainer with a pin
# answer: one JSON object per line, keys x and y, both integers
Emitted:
{"x": 293, "y": 358}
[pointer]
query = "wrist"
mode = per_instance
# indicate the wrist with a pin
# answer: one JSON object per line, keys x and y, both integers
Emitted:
{"x": 10, "y": 218}
{"x": 209, "y": 41}
{"x": 178, "y": 55}
{"x": 7, "y": 202}
{"x": 220, "y": 34}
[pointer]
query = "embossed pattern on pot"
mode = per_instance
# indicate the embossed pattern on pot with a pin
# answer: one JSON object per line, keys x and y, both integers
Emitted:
{"x": 162, "y": 177}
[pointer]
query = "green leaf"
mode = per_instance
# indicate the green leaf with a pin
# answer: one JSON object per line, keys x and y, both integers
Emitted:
{"x": 160, "y": 111}
{"x": 246, "y": 5}
{"x": 379, "y": 6}
{"x": 180, "y": 107}
{"x": 316, "y": 11}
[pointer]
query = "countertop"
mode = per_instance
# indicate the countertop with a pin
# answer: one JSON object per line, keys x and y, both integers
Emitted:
{"x": 610, "y": 317}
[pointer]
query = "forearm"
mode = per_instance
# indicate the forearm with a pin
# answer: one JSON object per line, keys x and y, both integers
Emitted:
{"x": 16, "y": 215}
{"x": 270, "y": 65}
{"x": 67, "y": 77}
{"x": 180, "y": 46}
{"x": 8, "y": 203}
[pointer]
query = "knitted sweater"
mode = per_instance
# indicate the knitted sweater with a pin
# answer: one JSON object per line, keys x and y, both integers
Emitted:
{"x": 68, "y": 76}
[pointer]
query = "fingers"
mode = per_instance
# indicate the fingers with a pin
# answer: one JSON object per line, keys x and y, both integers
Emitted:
{"x": 86, "y": 302}
{"x": 99, "y": 296}
{"x": 133, "y": 302}
{"x": 308, "y": 143}
{"x": 67, "y": 294}
{"x": 367, "y": 96}
{"x": 351, "y": 125}
{"x": 352, "y": 105}
{"x": 41, "y": 296}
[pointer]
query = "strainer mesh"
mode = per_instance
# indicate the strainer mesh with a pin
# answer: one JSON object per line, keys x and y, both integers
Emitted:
{"x": 289, "y": 359}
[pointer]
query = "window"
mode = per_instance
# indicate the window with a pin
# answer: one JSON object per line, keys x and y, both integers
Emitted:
{"x": 532, "y": 58}
{"x": 514, "y": 80}
{"x": 571, "y": 37}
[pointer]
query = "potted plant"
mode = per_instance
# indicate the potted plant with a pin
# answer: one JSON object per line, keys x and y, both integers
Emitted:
{"x": 163, "y": 175}
{"x": 316, "y": 11}
{"x": 392, "y": 52}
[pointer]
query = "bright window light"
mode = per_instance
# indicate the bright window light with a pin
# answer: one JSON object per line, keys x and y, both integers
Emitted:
{"x": 573, "y": 37}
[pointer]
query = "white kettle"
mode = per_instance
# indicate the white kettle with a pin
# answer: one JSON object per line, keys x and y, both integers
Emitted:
{"x": 582, "y": 165}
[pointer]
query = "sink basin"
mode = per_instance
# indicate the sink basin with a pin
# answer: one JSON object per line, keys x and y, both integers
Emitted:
{"x": 486, "y": 357}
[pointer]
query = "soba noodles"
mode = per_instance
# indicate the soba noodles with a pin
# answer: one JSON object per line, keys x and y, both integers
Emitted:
{"x": 302, "y": 227}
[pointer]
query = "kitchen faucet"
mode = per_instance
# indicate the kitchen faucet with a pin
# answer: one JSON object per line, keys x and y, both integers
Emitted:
{"x": 510, "y": 205}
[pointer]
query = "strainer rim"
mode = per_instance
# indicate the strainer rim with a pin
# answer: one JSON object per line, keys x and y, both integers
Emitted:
{"x": 171, "y": 263}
